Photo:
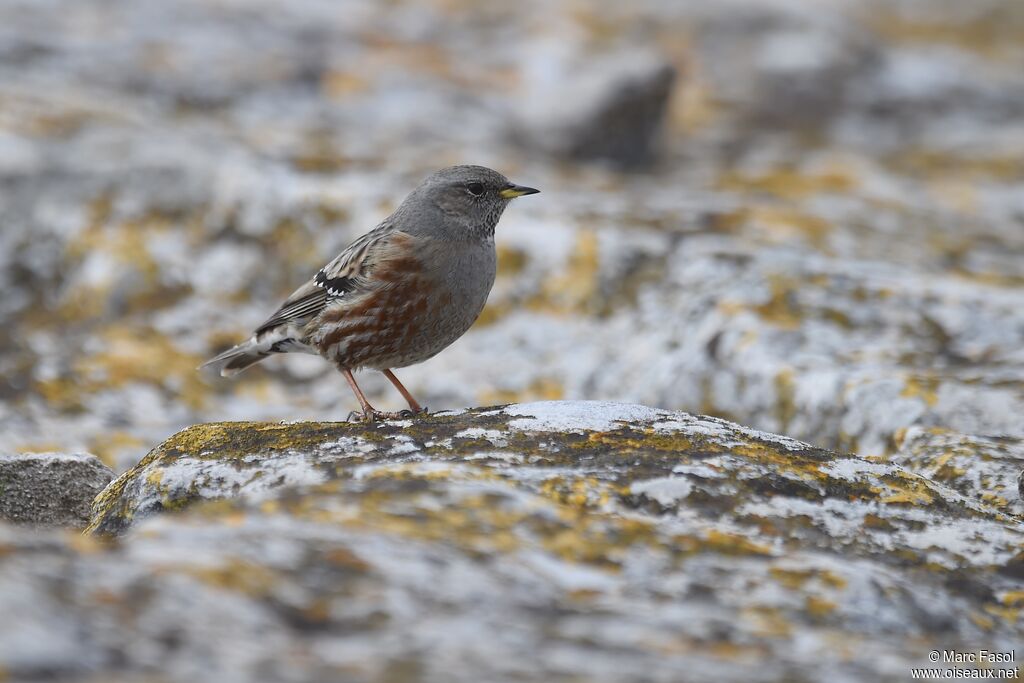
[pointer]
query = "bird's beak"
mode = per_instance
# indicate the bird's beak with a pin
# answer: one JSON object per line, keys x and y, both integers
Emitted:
{"x": 513, "y": 191}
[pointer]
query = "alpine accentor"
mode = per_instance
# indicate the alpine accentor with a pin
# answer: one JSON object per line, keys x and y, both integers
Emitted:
{"x": 399, "y": 294}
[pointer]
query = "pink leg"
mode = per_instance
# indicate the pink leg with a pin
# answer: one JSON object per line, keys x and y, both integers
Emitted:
{"x": 414, "y": 406}
{"x": 368, "y": 411}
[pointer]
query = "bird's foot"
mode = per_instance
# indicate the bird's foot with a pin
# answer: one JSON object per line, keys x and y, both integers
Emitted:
{"x": 373, "y": 415}
{"x": 408, "y": 412}
{"x": 398, "y": 415}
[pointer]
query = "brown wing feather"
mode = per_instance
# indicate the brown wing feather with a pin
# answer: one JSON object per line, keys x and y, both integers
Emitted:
{"x": 305, "y": 303}
{"x": 345, "y": 274}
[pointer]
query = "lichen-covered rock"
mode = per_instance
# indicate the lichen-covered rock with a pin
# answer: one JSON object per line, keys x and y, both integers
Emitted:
{"x": 609, "y": 109}
{"x": 987, "y": 468}
{"x": 162, "y": 191}
{"x": 841, "y": 353}
{"x": 54, "y": 489}
{"x": 595, "y": 541}
{"x": 783, "y": 66}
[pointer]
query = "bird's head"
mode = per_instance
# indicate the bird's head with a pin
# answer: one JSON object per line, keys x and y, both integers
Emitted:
{"x": 474, "y": 196}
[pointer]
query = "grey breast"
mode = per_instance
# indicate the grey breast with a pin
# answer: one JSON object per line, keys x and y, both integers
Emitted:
{"x": 464, "y": 274}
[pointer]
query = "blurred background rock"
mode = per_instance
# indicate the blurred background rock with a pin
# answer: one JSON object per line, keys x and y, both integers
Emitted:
{"x": 804, "y": 216}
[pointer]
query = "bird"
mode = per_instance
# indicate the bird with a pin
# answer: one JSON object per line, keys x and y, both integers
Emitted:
{"x": 399, "y": 294}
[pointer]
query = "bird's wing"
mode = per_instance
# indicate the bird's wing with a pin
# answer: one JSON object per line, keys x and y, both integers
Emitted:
{"x": 347, "y": 273}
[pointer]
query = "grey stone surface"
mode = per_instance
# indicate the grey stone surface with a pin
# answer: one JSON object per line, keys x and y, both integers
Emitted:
{"x": 531, "y": 542}
{"x": 829, "y": 246}
{"x": 52, "y": 489}
{"x": 610, "y": 109}
{"x": 987, "y": 468}
{"x": 843, "y": 353}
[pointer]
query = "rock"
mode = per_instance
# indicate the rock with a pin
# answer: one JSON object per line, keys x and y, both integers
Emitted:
{"x": 781, "y": 67}
{"x": 54, "y": 489}
{"x": 841, "y": 353}
{"x": 885, "y": 177}
{"x": 984, "y": 468}
{"x": 607, "y": 109}
{"x": 258, "y": 461}
{"x": 544, "y": 541}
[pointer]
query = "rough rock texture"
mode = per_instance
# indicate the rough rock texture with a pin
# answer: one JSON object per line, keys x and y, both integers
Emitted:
{"x": 830, "y": 246}
{"x": 54, "y": 489}
{"x": 842, "y": 353}
{"x": 985, "y": 468}
{"x": 611, "y": 109}
{"x": 547, "y": 541}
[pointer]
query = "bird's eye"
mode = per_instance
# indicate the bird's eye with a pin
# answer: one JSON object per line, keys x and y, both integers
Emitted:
{"x": 475, "y": 189}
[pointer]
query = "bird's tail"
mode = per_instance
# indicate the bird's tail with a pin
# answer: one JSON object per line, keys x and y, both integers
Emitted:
{"x": 237, "y": 358}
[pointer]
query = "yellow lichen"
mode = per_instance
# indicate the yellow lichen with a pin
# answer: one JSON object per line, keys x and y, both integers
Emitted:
{"x": 923, "y": 387}
{"x": 795, "y": 579}
{"x": 818, "y": 607}
{"x": 154, "y": 478}
{"x": 785, "y": 391}
{"x": 1010, "y": 615}
{"x": 994, "y": 34}
{"x": 221, "y": 440}
{"x": 598, "y": 540}
{"x": 767, "y": 622}
{"x": 39, "y": 447}
{"x": 227, "y": 440}
{"x": 792, "y": 579}
{"x": 294, "y": 243}
{"x": 982, "y": 621}
{"x": 234, "y": 575}
{"x": 911, "y": 495}
{"x": 320, "y": 153}
{"x": 784, "y": 461}
{"x": 574, "y": 288}
{"x": 727, "y": 543}
{"x": 780, "y": 309}
{"x": 476, "y": 524}
{"x": 87, "y": 545}
{"x": 127, "y": 355}
{"x": 342, "y": 84}
{"x": 779, "y": 224}
{"x": 576, "y": 492}
{"x": 511, "y": 260}
{"x": 789, "y": 183}
{"x": 994, "y": 499}
{"x": 111, "y": 444}
{"x": 345, "y": 557}
{"x": 873, "y": 521}
{"x": 1013, "y": 598}
{"x": 540, "y": 389}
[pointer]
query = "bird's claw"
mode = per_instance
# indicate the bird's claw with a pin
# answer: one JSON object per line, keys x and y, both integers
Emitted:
{"x": 398, "y": 415}
{"x": 409, "y": 412}
{"x": 371, "y": 416}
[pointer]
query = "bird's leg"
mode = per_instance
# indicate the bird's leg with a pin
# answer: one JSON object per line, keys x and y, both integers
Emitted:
{"x": 368, "y": 411}
{"x": 370, "y": 414}
{"x": 414, "y": 406}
